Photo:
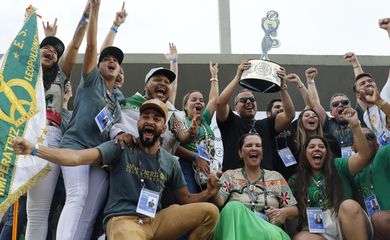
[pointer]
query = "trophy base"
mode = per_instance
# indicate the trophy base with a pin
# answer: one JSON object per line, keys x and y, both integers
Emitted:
{"x": 261, "y": 76}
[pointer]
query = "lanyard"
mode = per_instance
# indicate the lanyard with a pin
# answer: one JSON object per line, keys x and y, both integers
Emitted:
{"x": 110, "y": 103}
{"x": 206, "y": 140}
{"x": 321, "y": 189}
{"x": 252, "y": 126}
{"x": 250, "y": 189}
{"x": 371, "y": 181}
{"x": 282, "y": 135}
{"x": 344, "y": 135}
{"x": 141, "y": 171}
{"x": 380, "y": 124}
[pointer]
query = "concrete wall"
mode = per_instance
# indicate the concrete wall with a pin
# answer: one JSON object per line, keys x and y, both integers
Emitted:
{"x": 335, "y": 74}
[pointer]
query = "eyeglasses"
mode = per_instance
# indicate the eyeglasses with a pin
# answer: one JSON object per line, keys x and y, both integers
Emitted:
{"x": 245, "y": 99}
{"x": 343, "y": 102}
{"x": 370, "y": 136}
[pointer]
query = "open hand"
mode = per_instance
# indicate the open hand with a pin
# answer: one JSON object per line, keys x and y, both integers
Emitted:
{"x": 50, "y": 29}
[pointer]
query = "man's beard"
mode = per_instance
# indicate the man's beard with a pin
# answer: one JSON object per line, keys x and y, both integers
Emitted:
{"x": 149, "y": 143}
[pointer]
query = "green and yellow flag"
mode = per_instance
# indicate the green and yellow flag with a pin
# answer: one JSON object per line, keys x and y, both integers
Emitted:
{"x": 22, "y": 112}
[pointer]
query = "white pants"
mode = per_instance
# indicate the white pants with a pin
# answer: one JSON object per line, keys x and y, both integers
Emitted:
{"x": 83, "y": 184}
{"x": 86, "y": 190}
{"x": 39, "y": 197}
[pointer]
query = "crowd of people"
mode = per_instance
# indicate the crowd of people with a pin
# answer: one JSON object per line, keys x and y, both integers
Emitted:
{"x": 138, "y": 167}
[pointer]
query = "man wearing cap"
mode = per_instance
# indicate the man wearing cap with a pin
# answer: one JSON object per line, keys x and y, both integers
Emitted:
{"x": 157, "y": 86}
{"x": 138, "y": 175}
{"x": 95, "y": 99}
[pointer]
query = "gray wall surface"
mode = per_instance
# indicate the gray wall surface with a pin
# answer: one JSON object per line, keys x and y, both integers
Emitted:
{"x": 335, "y": 74}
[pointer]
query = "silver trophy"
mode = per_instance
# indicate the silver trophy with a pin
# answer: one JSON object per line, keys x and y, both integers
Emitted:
{"x": 261, "y": 76}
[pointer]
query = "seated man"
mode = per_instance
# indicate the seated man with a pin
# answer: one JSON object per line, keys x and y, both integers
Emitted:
{"x": 137, "y": 178}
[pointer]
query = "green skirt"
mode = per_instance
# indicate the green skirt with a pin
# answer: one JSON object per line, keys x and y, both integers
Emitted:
{"x": 237, "y": 222}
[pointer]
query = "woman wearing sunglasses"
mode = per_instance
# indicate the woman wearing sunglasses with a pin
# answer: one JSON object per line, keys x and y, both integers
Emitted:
{"x": 322, "y": 187}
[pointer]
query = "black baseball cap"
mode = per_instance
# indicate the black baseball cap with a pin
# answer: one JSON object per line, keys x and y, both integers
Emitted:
{"x": 113, "y": 51}
{"x": 56, "y": 43}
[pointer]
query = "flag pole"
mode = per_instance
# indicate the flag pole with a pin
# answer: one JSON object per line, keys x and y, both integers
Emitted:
{"x": 15, "y": 220}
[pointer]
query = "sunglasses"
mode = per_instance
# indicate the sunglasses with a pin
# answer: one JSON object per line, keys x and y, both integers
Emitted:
{"x": 245, "y": 99}
{"x": 370, "y": 136}
{"x": 343, "y": 102}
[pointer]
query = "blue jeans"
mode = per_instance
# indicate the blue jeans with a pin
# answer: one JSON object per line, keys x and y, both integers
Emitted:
{"x": 6, "y": 232}
{"x": 188, "y": 172}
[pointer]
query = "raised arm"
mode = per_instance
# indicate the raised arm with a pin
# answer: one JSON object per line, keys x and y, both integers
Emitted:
{"x": 50, "y": 29}
{"x": 120, "y": 18}
{"x": 353, "y": 60}
{"x": 90, "y": 57}
{"x": 214, "y": 89}
{"x": 357, "y": 69}
{"x": 69, "y": 58}
{"x": 315, "y": 103}
{"x": 296, "y": 80}
{"x": 283, "y": 119}
{"x": 60, "y": 156}
{"x": 172, "y": 57}
{"x": 227, "y": 93}
{"x": 384, "y": 23}
{"x": 359, "y": 160}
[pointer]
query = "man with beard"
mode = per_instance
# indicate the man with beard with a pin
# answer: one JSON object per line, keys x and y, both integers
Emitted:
{"x": 137, "y": 178}
{"x": 336, "y": 125}
{"x": 376, "y": 114}
{"x": 232, "y": 126}
{"x": 160, "y": 83}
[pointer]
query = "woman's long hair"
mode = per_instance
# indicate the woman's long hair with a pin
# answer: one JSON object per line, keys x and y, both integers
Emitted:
{"x": 333, "y": 189}
{"x": 50, "y": 75}
{"x": 302, "y": 134}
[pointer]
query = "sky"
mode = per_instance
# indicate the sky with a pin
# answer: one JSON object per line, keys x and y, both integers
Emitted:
{"x": 309, "y": 27}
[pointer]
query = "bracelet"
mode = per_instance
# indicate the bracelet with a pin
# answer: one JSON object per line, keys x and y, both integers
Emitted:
{"x": 355, "y": 124}
{"x": 84, "y": 18}
{"x": 356, "y": 66}
{"x": 213, "y": 79}
{"x": 173, "y": 61}
{"x": 237, "y": 78}
{"x": 380, "y": 103}
{"x": 310, "y": 81}
{"x": 195, "y": 156}
{"x": 35, "y": 151}
{"x": 114, "y": 28}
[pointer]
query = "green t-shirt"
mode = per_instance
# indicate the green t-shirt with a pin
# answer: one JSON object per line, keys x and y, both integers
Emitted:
{"x": 91, "y": 98}
{"x": 205, "y": 139}
{"x": 317, "y": 187}
{"x": 380, "y": 169}
{"x": 125, "y": 183}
